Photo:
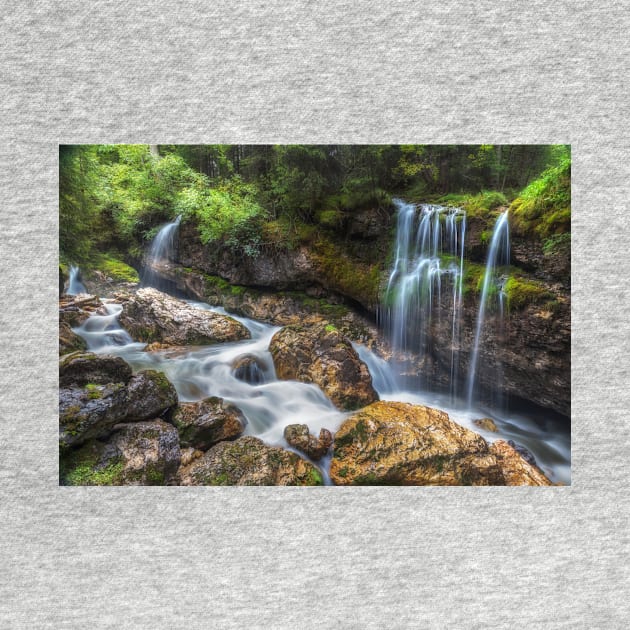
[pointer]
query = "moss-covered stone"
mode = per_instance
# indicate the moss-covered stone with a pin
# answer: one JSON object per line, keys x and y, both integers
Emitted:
{"x": 522, "y": 292}
{"x": 249, "y": 462}
{"x": 116, "y": 269}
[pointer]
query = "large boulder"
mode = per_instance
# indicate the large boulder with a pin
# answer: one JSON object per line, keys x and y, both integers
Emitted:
{"x": 399, "y": 443}
{"x": 202, "y": 424}
{"x": 249, "y": 462}
{"x": 320, "y": 354}
{"x": 153, "y": 316}
{"x": 81, "y": 368}
{"x": 515, "y": 468}
{"x": 149, "y": 395}
{"x": 90, "y": 411}
{"x": 141, "y": 453}
{"x": 299, "y": 437}
{"x": 98, "y": 391}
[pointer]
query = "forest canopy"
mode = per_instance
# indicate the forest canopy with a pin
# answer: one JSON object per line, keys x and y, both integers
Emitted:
{"x": 113, "y": 198}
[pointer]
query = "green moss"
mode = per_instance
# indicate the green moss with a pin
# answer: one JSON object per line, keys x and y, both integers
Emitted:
{"x": 358, "y": 280}
{"x": 80, "y": 468}
{"x": 330, "y": 328}
{"x": 473, "y": 277}
{"x": 116, "y": 269}
{"x": 521, "y": 292}
{"x": 220, "y": 479}
{"x": 343, "y": 472}
{"x": 93, "y": 391}
{"x": 314, "y": 478}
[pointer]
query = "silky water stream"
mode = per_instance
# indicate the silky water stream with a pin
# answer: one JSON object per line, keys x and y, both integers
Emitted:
{"x": 271, "y": 404}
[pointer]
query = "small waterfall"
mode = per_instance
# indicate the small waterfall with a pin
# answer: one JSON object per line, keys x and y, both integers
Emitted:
{"x": 493, "y": 284}
{"x": 75, "y": 286}
{"x": 162, "y": 251}
{"x": 430, "y": 243}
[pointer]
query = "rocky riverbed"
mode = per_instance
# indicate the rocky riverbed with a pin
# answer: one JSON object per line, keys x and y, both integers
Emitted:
{"x": 155, "y": 390}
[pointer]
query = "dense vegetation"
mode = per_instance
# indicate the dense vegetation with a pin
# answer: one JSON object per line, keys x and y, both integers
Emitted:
{"x": 113, "y": 198}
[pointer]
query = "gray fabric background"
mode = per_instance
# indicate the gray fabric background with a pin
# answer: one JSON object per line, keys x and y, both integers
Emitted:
{"x": 443, "y": 72}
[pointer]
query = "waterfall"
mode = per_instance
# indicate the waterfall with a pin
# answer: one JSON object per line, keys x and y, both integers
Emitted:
{"x": 75, "y": 286}
{"x": 162, "y": 251}
{"x": 429, "y": 245}
{"x": 493, "y": 283}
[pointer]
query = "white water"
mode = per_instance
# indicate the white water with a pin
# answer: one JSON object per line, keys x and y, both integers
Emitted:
{"x": 75, "y": 286}
{"x": 430, "y": 243}
{"x": 498, "y": 257}
{"x": 199, "y": 372}
{"x": 162, "y": 250}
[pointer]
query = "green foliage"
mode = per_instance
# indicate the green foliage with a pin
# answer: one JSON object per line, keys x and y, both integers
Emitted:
{"x": 544, "y": 207}
{"x": 78, "y": 201}
{"x": 227, "y": 212}
{"x": 479, "y": 205}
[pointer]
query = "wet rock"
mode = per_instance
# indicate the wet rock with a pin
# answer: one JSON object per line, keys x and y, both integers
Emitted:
{"x": 399, "y": 443}
{"x": 526, "y": 454}
{"x": 515, "y": 468}
{"x": 152, "y": 316}
{"x": 299, "y": 437}
{"x": 249, "y": 462}
{"x": 69, "y": 341}
{"x": 75, "y": 309}
{"x": 141, "y": 453}
{"x": 149, "y": 395}
{"x": 202, "y": 424}
{"x": 81, "y": 368}
{"x": 320, "y": 354}
{"x": 90, "y": 412}
{"x": 98, "y": 391}
{"x": 249, "y": 368}
{"x": 487, "y": 424}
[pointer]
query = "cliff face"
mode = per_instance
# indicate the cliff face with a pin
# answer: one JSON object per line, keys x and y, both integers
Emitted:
{"x": 527, "y": 356}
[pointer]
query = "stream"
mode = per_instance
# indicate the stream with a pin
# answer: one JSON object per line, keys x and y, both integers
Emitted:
{"x": 271, "y": 404}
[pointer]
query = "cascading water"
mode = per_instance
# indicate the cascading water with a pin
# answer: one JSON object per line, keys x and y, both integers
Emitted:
{"x": 493, "y": 284}
{"x": 269, "y": 405}
{"x": 75, "y": 286}
{"x": 430, "y": 242}
{"x": 162, "y": 251}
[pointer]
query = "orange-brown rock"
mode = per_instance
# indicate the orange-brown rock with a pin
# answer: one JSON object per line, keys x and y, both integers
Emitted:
{"x": 487, "y": 424}
{"x": 516, "y": 470}
{"x": 320, "y": 354}
{"x": 399, "y": 443}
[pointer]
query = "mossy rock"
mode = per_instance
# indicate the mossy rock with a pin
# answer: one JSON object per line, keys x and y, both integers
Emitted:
{"x": 140, "y": 453}
{"x": 249, "y": 462}
{"x": 521, "y": 292}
